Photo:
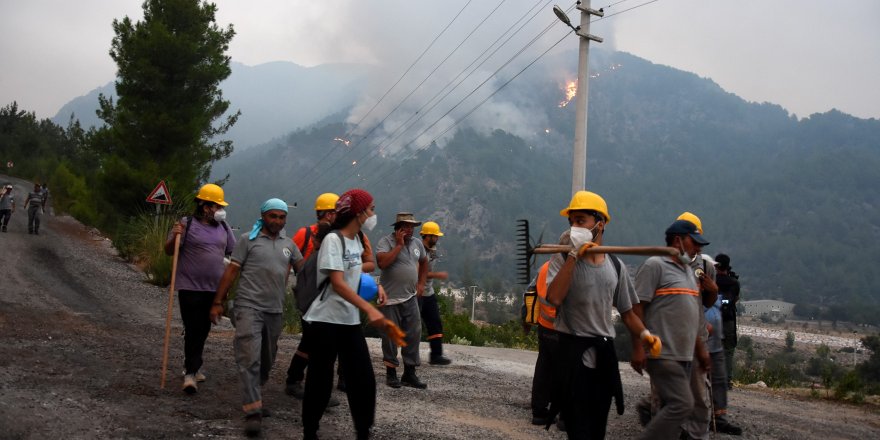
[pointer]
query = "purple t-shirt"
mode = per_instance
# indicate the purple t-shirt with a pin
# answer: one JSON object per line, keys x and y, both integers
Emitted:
{"x": 200, "y": 263}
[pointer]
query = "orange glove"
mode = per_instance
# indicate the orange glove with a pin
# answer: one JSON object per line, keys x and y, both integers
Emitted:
{"x": 394, "y": 333}
{"x": 583, "y": 250}
{"x": 652, "y": 342}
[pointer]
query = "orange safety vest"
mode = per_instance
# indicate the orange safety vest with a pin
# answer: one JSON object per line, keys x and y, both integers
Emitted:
{"x": 546, "y": 311}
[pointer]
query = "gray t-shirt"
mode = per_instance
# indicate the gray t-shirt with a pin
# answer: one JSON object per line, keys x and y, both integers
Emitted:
{"x": 264, "y": 262}
{"x": 34, "y": 198}
{"x": 432, "y": 259}
{"x": 6, "y": 201}
{"x": 586, "y": 310}
{"x": 401, "y": 277}
{"x": 333, "y": 308}
{"x": 673, "y": 309}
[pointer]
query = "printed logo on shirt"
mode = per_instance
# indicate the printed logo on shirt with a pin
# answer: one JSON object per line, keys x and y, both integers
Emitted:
{"x": 286, "y": 252}
{"x": 417, "y": 253}
{"x": 350, "y": 259}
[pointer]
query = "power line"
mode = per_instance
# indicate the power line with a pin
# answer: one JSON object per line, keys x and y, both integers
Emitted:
{"x": 433, "y": 71}
{"x": 374, "y": 152}
{"x": 420, "y": 114}
{"x": 305, "y": 176}
{"x": 425, "y": 146}
{"x": 466, "y": 115}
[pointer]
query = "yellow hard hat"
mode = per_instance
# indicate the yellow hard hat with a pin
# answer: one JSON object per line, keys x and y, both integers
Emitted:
{"x": 211, "y": 193}
{"x": 586, "y": 200}
{"x": 690, "y": 217}
{"x": 431, "y": 228}
{"x": 326, "y": 202}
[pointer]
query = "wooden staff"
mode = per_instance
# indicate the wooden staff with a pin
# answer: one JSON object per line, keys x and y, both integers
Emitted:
{"x": 170, "y": 308}
{"x": 623, "y": 250}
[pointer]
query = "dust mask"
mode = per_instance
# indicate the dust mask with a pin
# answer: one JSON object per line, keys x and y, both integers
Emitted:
{"x": 580, "y": 236}
{"x": 371, "y": 222}
{"x": 220, "y": 215}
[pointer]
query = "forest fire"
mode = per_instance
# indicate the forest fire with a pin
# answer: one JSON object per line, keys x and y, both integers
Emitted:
{"x": 570, "y": 89}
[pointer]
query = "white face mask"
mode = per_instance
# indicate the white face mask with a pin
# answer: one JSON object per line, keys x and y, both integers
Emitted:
{"x": 371, "y": 222}
{"x": 580, "y": 236}
{"x": 220, "y": 215}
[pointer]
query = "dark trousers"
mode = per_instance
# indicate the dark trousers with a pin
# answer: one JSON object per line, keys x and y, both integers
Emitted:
{"x": 542, "y": 381}
{"x": 296, "y": 372}
{"x": 34, "y": 213}
{"x": 195, "y": 311}
{"x": 346, "y": 341}
{"x": 5, "y": 215}
{"x": 587, "y": 417}
{"x": 430, "y": 312}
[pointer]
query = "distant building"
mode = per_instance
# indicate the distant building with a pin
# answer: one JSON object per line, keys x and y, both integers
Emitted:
{"x": 769, "y": 307}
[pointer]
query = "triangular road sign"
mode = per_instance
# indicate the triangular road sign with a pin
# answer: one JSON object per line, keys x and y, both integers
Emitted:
{"x": 160, "y": 194}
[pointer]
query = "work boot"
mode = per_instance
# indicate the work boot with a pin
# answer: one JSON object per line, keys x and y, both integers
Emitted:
{"x": 439, "y": 360}
{"x": 410, "y": 379}
{"x": 541, "y": 417}
{"x": 725, "y": 427}
{"x": 253, "y": 424}
{"x": 391, "y": 377}
{"x": 189, "y": 384}
{"x": 295, "y": 389}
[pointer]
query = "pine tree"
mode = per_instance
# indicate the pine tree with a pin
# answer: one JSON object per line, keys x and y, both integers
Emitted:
{"x": 170, "y": 107}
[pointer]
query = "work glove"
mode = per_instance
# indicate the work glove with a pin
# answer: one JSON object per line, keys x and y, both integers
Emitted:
{"x": 394, "y": 333}
{"x": 652, "y": 342}
{"x": 582, "y": 251}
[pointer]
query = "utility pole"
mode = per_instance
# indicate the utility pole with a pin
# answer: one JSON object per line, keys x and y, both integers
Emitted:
{"x": 473, "y": 301}
{"x": 579, "y": 156}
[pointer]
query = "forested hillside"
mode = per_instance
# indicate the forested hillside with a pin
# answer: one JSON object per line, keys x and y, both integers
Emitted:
{"x": 791, "y": 200}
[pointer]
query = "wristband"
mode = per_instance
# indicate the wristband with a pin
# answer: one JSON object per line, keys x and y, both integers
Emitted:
{"x": 645, "y": 333}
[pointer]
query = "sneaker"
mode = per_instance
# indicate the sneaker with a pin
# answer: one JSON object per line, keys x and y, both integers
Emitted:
{"x": 440, "y": 360}
{"x": 410, "y": 379}
{"x": 189, "y": 384}
{"x": 199, "y": 376}
{"x": 295, "y": 389}
{"x": 726, "y": 427}
{"x": 253, "y": 424}
{"x": 391, "y": 379}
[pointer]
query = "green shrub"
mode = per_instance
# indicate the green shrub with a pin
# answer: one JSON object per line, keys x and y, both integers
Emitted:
{"x": 142, "y": 241}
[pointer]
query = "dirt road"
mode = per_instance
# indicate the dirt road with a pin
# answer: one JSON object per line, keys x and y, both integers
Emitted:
{"x": 80, "y": 350}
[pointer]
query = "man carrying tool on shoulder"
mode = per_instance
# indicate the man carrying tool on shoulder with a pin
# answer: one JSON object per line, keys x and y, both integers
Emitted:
{"x": 584, "y": 290}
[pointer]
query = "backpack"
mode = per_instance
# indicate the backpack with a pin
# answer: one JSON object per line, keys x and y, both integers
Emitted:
{"x": 536, "y": 309}
{"x": 307, "y": 288}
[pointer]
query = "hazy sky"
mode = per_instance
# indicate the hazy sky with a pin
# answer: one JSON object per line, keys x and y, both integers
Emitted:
{"x": 806, "y": 55}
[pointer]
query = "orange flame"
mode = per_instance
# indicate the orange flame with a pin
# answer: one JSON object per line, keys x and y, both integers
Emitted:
{"x": 570, "y": 89}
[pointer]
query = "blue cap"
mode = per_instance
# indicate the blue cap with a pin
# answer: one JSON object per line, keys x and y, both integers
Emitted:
{"x": 684, "y": 227}
{"x": 367, "y": 288}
